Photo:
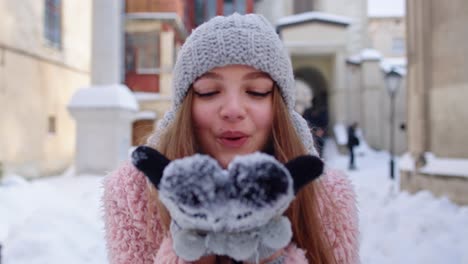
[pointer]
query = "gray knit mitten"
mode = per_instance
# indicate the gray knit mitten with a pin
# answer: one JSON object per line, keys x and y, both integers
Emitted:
{"x": 235, "y": 212}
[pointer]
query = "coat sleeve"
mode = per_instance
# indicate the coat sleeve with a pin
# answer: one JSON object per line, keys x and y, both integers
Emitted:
{"x": 340, "y": 216}
{"x": 128, "y": 236}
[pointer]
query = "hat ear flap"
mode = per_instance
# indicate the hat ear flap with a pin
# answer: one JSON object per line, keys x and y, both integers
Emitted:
{"x": 151, "y": 162}
{"x": 304, "y": 169}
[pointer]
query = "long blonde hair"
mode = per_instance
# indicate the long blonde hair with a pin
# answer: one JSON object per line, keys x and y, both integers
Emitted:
{"x": 178, "y": 140}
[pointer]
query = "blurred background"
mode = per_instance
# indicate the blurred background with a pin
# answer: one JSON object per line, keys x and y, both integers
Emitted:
{"x": 83, "y": 82}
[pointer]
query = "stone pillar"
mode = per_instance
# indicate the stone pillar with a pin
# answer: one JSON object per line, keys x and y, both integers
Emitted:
{"x": 106, "y": 44}
{"x": 104, "y": 117}
{"x": 371, "y": 91}
{"x": 354, "y": 110}
{"x": 418, "y": 81}
{"x": 104, "y": 112}
{"x": 338, "y": 96}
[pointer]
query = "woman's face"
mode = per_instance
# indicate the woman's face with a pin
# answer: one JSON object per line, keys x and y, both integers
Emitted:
{"x": 232, "y": 111}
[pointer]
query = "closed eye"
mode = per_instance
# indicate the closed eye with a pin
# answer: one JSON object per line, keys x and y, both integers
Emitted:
{"x": 207, "y": 94}
{"x": 259, "y": 94}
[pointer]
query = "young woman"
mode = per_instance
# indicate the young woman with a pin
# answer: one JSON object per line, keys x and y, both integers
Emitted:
{"x": 233, "y": 95}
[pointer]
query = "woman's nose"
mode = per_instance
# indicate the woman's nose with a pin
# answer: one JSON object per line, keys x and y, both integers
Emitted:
{"x": 233, "y": 108}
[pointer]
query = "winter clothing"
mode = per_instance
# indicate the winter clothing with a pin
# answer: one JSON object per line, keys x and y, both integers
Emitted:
{"x": 236, "y": 39}
{"x": 131, "y": 240}
{"x": 136, "y": 236}
{"x": 238, "y": 212}
{"x": 353, "y": 141}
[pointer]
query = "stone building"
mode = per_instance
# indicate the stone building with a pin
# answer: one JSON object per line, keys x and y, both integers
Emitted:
{"x": 387, "y": 34}
{"x": 437, "y": 157}
{"x": 154, "y": 30}
{"x": 133, "y": 62}
{"x": 134, "y": 45}
{"x": 44, "y": 59}
{"x": 336, "y": 49}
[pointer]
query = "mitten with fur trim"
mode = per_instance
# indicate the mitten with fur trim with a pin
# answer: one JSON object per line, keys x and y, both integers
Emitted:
{"x": 235, "y": 212}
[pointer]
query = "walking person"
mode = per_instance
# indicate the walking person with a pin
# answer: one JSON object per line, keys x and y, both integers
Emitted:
{"x": 353, "y": 141}
{"x": 233, "y": 96}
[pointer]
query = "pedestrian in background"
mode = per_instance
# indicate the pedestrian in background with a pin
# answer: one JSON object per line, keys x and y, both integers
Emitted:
{"x": 353, "y": 141}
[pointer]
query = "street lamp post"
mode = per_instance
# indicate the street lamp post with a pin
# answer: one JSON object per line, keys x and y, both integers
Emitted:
{"x": 392, "y": 83}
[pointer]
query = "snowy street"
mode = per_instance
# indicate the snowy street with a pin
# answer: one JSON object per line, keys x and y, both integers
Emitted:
{"x": 58, "y": 219}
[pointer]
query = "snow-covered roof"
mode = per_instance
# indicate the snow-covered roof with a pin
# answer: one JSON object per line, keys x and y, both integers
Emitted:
{"x": 313, "y": 16}
{"x": 104, "y": 96}
{"x": 364, "y": 55}
{"x": 397, "y": 64}
{"x": 386, "y": 8}
{"x": 386, "y": 64}
{"x": 370, "y": 54}
{"x": 355, "y": 59}
{"x": 406, "y": 162}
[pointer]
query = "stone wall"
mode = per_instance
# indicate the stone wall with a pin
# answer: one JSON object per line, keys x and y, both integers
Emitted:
{"x": 453, "y": 187}
{"x": 37, "y": 134}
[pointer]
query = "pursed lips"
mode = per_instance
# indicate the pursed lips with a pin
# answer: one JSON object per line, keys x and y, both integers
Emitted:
{"x": 233, "y": 139}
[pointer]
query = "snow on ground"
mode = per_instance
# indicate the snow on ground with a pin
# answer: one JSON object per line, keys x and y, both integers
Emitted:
{"x": 52, "y": 220}
{"x": 58, "y": 219}
{"x": 397, "y": 227}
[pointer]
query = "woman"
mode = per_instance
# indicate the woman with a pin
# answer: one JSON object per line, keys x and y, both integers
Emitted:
{"x": 233, "y": 95}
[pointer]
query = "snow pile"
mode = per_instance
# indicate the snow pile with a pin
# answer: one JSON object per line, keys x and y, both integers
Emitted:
{"x": 52, "y": 220}
{"x": 341, "y": 135}
{"x": 57, "y": 220}
{"x": 397, "y": 227}
{"x": 445, "y": 166}
{"x": 104, "y": 96}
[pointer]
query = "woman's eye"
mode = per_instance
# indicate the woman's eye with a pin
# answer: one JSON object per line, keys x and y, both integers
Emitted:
{"x": 259, "y": 94}
{"x": 205, "y": 94}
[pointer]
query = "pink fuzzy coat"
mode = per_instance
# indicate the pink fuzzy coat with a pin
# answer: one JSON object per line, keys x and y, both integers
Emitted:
{"x": 131, "y": 240}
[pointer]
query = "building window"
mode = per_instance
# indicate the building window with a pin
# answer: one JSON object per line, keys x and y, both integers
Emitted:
{"x": 232, "y": 6}
{"x": 210, "y": 9}
{"x": 142, "y": 52}
{"x": 207, "y": 9}
{"x": 398, "y": 46}
{"x": 52, "y": 125}
{"x": 53, "y": 23}
{"x": 301, "y": 6}
{"x": 241, "y": 6}
{"x": 228, "y": 7}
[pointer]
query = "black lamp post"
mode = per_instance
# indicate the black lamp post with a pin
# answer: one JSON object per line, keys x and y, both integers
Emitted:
{"x": 392, "y": 83}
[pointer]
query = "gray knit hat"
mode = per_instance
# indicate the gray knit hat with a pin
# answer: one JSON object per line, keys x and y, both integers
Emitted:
{"x": 236, "y": 39}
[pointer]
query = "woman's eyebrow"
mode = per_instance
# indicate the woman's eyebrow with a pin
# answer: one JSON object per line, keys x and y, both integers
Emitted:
{"x": 210, "y": 75}
{"x": 256, "y": 75}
